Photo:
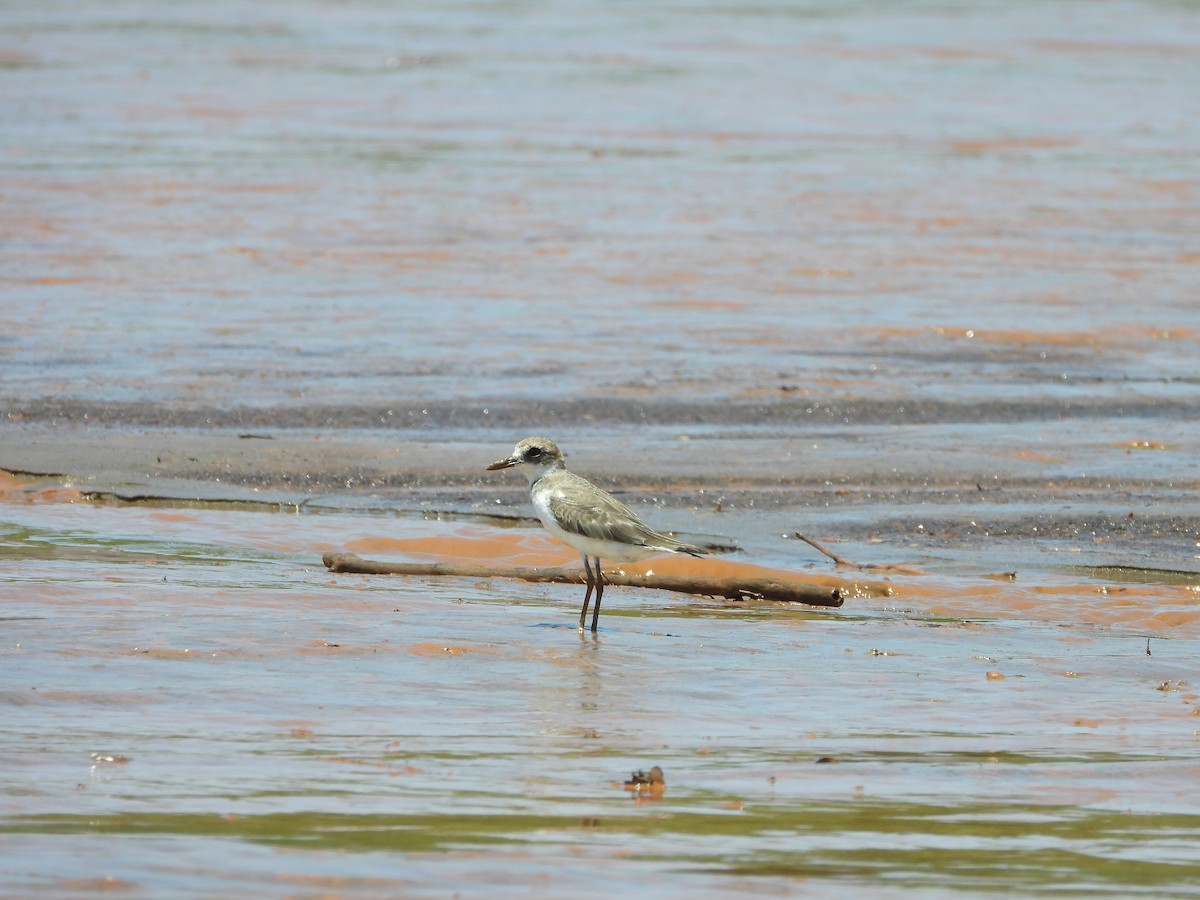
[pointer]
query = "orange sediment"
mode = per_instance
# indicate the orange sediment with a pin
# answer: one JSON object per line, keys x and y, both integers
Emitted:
{"x": 14, "y": 489}
{"x": 516, "y": 547}
{"x": 1152, "y": 608}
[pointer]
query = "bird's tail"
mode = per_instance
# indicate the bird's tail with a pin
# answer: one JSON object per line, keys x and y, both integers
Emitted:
{"x": 689, "y": 549}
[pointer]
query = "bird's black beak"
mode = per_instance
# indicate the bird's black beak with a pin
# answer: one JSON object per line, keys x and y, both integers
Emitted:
{"x": 506, "y": 463}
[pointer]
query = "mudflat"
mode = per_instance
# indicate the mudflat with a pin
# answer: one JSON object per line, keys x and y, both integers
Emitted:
{"x": 915, "y": 283}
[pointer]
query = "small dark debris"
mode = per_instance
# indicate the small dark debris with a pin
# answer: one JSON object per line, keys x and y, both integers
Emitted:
{"x": 641, "y": 779}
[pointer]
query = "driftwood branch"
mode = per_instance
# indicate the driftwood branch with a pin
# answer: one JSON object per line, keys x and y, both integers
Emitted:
{"x": 739, "y": 587}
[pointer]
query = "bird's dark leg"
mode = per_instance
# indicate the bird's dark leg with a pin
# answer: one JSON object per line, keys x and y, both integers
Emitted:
{"x": 587, "y": 596}
{"x": 599, "y": 594}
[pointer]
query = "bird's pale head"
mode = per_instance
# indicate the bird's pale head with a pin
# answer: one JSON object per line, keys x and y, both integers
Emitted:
{"x": 537, "y": 455}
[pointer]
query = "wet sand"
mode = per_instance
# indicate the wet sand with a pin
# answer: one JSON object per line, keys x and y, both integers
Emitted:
{"x": 917, "y": 282}
{"x": 195, "y": 705}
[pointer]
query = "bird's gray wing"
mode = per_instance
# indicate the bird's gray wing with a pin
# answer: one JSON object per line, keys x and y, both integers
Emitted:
{"x": 591, "y": 512}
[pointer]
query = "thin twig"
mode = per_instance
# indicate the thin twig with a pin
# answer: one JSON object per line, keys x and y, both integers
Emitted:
{"x": 840, "y": 560}
{"x": 862, "y": 567}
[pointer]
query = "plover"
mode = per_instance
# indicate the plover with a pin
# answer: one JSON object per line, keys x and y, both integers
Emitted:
{"x": 592, "y": 521}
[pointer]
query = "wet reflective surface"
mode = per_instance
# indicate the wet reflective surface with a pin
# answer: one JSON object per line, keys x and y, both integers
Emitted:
{"x": 917, "y": 282}
{"x": 193, "y": 704}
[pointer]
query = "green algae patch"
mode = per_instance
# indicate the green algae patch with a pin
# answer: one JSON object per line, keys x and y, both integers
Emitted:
{"x": 986, "y": 847}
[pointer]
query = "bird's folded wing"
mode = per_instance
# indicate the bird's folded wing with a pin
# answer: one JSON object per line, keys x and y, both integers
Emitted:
{"x": 596, "y": 515}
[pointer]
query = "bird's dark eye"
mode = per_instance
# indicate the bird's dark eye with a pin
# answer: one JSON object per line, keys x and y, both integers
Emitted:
{"x": 533, "y": 453}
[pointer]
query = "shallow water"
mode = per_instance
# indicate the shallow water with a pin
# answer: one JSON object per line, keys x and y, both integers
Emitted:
{"x": 195, "y": 706}
{"x": 915, "y": 280}
{"x": 348, "y": 204}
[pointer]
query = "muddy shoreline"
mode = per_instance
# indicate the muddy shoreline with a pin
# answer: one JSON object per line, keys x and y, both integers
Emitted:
{"x": 747, "y": 489}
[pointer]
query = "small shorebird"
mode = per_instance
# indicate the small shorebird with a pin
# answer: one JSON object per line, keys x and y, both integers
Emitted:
{"x": 592, "y": 521}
